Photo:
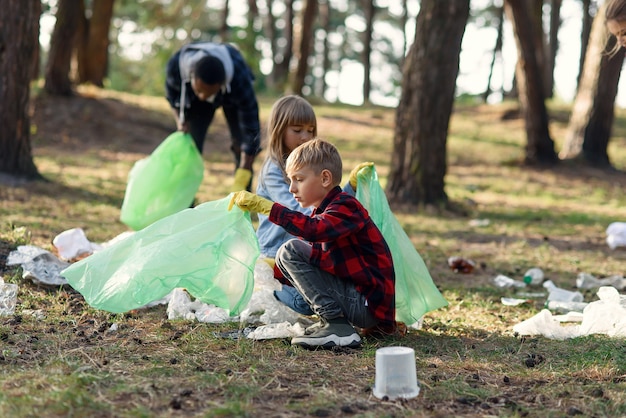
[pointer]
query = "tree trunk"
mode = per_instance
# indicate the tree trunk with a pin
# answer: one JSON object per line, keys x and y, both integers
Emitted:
{"x": 423, "y": 114}
{"x": 553, "y": 45}
{"x": 590, "y": 124}
{"x": 282, "y": 58}
{"x": 497, "y": 49}
{"x": 539, "y": 145}
{"x": 370, "y": 12}
{"x": 584, "y": 38}
{"x": 535, "y": 9}
{"x": 304, "y": 48}
{"x": 325, "y": 25}
{"x": 93, "y": 43}
{"x": 57, "y": 77}
{"x": 224, "y": 29}
{"x": 17, "y": 50}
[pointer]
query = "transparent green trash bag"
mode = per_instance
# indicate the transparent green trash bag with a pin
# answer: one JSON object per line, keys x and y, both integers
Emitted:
{"x": 416, "y": 293}
{"x": 207, "y": 250}
{"x": 163, "y": 183}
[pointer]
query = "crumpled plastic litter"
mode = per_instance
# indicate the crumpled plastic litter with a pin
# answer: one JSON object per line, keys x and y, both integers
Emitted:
{"x": 73, "y": 243}
{"x": 180, "y": 306}
{"x": 263, "y": 307}
{"x": 616, "y": 235}
{"x": 277, "y": 330}
{"x": 38, "y": 265}
{"x": 605, "y": 316}
{"x": 277, "y": 320}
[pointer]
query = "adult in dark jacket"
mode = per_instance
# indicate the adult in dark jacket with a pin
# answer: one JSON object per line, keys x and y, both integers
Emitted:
{"x": 202, "y": 77}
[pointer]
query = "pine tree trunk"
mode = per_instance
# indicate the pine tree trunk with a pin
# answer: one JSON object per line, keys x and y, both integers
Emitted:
{"x": 539, "y": 145}
{"x": 423, "y": 114}
{"x": 305, "y": 44}
{"x": 17, "y": 50}
{"x": 60, "y": 56}
{"x": 590, "y": 124}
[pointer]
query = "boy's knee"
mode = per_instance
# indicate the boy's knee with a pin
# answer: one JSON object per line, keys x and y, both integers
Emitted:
{"x": 294, "y": 249}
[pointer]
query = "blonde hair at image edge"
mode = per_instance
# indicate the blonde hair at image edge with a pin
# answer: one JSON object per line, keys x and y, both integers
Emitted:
{"x": 318, "y": 155}
{"x": 287, "y": 111}
{"x": 615, "y": 10}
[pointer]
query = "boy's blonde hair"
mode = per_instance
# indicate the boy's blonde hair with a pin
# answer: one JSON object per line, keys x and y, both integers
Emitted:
{"x": 287, "y": 111}
{"x": 318, "y": 155}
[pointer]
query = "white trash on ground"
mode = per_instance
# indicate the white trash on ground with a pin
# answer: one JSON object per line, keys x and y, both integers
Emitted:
{"x": 605, "y": 316}
{"x": 616, "y": 235}
{"x": 73, "y": 243}
{"x": 589, "y": 281}
{"x": 38, "y": 265}
{"x": 8, "y": 297}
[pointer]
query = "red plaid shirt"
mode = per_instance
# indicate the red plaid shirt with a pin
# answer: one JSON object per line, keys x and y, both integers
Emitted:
{"x": 347, "y": 244}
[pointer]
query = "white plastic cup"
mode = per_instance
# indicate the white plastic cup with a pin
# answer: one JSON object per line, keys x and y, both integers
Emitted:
{"x": 396, "y": 376}
{"x": 8, "y": 298}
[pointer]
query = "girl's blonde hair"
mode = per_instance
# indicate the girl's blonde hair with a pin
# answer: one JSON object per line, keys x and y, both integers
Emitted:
{"x": 318, "y": 155}
{"x": 287, "y": 111}
{"x": 615, "y": 10}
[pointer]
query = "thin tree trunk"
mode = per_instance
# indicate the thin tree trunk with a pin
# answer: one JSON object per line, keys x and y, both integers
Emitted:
{"x": 370, "y": 13}
{"x": 282, "y": 59}
{"x": 553, "y": 45}
{"x": 584, "y": 38}
{"x": 57, "y": 77}
{"x": 93, "y": 46}
{"x": 224, "y": 29}
{"x": 539, "y": 145}
{"x": 497, "y": 49}
{"x": 304, "y": 47}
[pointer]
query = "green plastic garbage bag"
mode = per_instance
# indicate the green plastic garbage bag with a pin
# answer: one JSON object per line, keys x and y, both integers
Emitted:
{"x": 416, "y": 293}
{"x": 163, "y": 183}
{"x": 207, "y": 250}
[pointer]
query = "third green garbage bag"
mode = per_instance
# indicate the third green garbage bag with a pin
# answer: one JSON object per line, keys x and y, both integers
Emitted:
{"x": 416, "y": 293}
{"x": 163, "y": 183}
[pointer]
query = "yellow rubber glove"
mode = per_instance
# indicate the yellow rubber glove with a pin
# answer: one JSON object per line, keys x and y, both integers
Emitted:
{"x": 242, "y": 179}
{"x": 251, "y": 202}
{"x": 367, "y": 165}
{"x": 270, "y": 261}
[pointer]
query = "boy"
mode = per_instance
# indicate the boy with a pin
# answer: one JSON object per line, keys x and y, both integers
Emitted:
{"x": 201, "y": 78}
{"x": 342, "y": 265}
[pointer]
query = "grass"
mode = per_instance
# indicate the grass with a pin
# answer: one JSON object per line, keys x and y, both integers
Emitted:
{"x": 60, "y": 357}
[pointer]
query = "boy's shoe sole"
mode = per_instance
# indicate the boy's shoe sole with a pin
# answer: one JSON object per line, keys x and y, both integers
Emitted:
{"x": 329, "y": 336}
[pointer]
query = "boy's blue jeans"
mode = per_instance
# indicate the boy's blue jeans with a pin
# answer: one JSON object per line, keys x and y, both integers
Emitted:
{"x": 328, "y": 296}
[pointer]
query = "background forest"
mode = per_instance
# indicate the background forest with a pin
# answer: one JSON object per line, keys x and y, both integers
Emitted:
{"x": 529, "y": 182}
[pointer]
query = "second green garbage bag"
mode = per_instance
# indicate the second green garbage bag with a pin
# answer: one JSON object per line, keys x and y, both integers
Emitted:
{"x": 416, "y": 294}
{"x": 208, "y": 250}
{"x": 163, "y": 183}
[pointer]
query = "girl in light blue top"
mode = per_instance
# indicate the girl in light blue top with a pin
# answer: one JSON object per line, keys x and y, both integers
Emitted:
{"x": 292, "y": 122}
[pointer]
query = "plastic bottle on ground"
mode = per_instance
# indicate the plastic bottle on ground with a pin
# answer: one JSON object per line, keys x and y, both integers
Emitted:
{"x": 589, "y": 281}
{"x": 506, "y": 282}
{"x": 565, "y": 307}
{"x": 534, "y": 276}
{"x": 562, "y": 295}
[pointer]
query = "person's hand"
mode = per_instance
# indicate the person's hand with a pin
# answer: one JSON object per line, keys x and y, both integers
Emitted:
{"x": 242, "y": 179}
{"x": 182, "y": 127}
{"x": 367, "y": 165}
{"x": 251, "y": 202}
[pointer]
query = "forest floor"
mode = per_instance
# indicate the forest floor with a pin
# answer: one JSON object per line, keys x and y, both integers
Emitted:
{"x": 469, "y": 361}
